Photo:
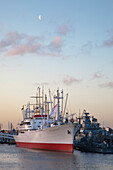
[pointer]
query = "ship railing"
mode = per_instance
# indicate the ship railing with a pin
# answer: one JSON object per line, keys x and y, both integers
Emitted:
{"x": 6, "y": 136}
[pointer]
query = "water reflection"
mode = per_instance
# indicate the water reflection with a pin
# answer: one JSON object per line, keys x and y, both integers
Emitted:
{"x": 12, "y": 157}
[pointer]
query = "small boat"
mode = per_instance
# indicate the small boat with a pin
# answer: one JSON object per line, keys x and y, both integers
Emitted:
{"x": 41, "y": 129}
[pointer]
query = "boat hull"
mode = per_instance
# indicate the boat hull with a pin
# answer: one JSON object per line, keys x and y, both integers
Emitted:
{"x": 47, "y": 146}
{"x": 58, "y": 138}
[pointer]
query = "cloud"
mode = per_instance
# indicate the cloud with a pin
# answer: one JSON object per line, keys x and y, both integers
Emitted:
{"x": 86, "y": 48}
{"x": 108, "y": 43}
{"x": 110, "y": 31}
{"x": 56, "y": 44}
{"x": 15, "y": 43}
{"x": 107, "y": 85}
{"x": 63, "y": 29}
{"x": 97, "y": 75}
{"x": 67, "y": 80}
{"x": 11, "y": 39}
{"x": 24, "y": 49}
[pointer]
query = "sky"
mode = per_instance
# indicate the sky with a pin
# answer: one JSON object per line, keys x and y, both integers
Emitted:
{"x": 65, "y": 44}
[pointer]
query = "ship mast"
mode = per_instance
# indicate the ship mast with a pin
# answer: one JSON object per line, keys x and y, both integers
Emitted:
{"x": 62, "y": 104}
{"x": 50, "y": 98}
{"x": 37, "y": 102}
{"x": 42, "y": 99}
{"x": 58, "y": 102}
{"x": 48, "y": 111}
{"x": 65, "y": 104}
{"x": 45, "y": 104}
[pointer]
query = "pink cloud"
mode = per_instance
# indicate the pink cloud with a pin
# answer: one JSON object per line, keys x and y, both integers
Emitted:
{"x": 70, "y": 80}
{"x": 57, "y": 41}
{"x": 23, "y": 49}
{"x": 34, "y": 39}
{"x": 15, "y": 43}
{"x": 11, "y": 39}
{"x": 97, "y": 75}
{"x": 56, "y": 44}
{"x": 107, "y": 85}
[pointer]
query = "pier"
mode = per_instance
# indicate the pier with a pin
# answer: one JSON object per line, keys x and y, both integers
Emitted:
{"x": 6, "y": 138}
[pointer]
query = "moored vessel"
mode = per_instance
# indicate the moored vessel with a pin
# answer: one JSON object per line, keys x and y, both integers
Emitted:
{"x": 42, "y": 129}
{"x": 91, "y": 137}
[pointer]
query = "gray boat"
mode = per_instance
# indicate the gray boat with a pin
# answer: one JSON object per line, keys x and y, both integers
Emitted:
{"x": 93, "y": 138}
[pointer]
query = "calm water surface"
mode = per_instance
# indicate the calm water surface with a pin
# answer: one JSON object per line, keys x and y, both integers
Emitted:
{"x": 12, "y": 157}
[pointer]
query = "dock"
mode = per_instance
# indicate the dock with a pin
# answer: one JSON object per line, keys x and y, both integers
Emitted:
{"x": 6, "y": 138}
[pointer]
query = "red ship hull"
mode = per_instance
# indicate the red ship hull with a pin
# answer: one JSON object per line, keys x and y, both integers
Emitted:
{"x": 47, "y": 146}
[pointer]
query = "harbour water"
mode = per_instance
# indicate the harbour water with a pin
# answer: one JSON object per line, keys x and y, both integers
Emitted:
{"x": 12, "y": 157}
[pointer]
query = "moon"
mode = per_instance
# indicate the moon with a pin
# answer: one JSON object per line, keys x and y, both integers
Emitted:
{"x": 40, "y": 17}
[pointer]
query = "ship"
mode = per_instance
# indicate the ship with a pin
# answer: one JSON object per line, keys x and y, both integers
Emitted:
{"x": 45, "y": 130}
{"x": 91, "y": 137}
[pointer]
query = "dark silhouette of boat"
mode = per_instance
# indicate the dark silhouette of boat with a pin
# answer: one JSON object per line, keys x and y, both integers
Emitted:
{"x": 93, "y": 138}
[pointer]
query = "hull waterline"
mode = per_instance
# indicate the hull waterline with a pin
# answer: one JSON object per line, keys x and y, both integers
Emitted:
{"x": 47, "y": 146}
